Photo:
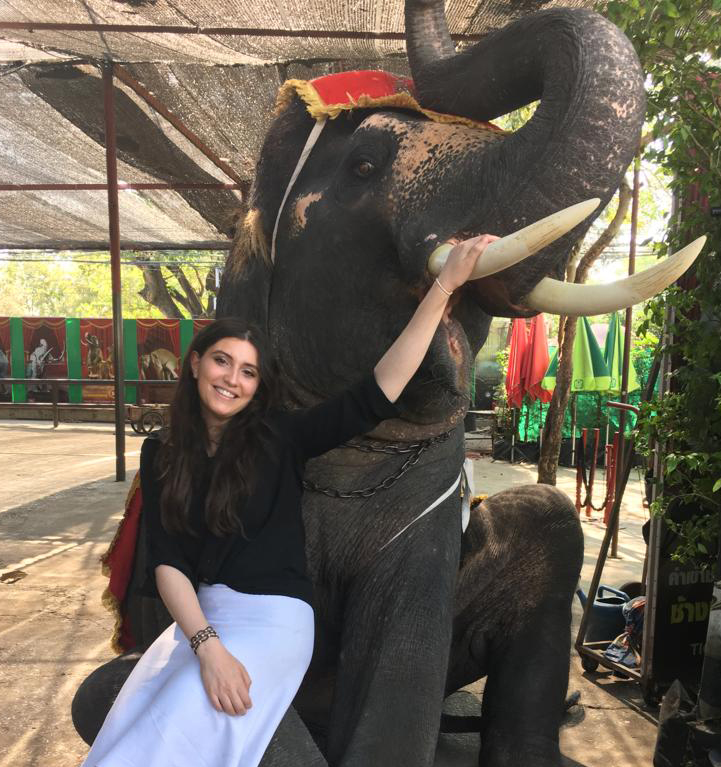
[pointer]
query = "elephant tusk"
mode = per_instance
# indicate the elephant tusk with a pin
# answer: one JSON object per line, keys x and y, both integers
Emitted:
{"x": 568, "y": 298}
{"x": 509, "y": 250}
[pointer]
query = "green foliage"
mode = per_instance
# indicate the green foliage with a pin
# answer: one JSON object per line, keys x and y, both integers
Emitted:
{"x": 42, "y": 284}
{"x": 503, "y": 413}
{"x": 516, "y": 119}
{"x": 56, "y": 288}
{"x": 679, "y": 45}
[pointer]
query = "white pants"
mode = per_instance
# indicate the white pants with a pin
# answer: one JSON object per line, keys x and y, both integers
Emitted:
{"x": 162, "y": 716}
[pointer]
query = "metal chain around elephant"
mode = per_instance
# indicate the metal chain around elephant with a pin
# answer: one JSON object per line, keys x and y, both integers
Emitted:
{"x": 416, "y": 449}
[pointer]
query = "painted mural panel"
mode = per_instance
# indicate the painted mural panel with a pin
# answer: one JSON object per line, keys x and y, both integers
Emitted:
{"x": 96, "y": 354}
{"x": 54, "y": 347}
{"x": 159, "y": 356}
{"x": 44, "y": 347}
{"x": 5, "y": 393}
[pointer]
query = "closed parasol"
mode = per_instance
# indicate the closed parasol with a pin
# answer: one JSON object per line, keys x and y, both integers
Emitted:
{"x": 589, "y": 370}
{"x": 516, "y": 355}
{"x": 536, "y": 361}
{"x": 613, "y": 356}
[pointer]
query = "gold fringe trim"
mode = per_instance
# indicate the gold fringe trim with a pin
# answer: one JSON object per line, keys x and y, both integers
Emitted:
{"x": 108, "y": 599}
{"x": 318, "y": 109}
{"x": 477, "y": 500}
{"x": 111, "y": 604}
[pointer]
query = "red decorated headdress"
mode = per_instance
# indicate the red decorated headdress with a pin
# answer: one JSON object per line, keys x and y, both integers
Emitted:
{"x": 330, "y": 95}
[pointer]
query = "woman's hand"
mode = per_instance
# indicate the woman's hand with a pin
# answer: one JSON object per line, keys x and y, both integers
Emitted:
{"x": 462, "y": 259}
{"x": 225, "y": 678}
{"x": 400, "y": 362}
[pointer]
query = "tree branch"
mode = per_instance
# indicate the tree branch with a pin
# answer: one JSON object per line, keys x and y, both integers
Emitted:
{"x": 192, "y": 301}
{"x": 179, "y": 298}
{"x": 607, "y": 236}
{"x": 155, "y": 291}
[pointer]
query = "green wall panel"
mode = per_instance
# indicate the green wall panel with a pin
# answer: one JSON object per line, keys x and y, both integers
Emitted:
{"x": 75, "y": 365}
{"x": 130, "y": 347}
{"x": 17, "y": 358}
{"x": 186, "y": 336}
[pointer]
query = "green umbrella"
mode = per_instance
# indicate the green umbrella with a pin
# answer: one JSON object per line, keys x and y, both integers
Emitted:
{"x": 590, "y": 372}
{"x": 613, "y": 354}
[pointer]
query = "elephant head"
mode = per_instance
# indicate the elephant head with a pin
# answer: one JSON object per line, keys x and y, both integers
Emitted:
{"x": 384, "y": 186}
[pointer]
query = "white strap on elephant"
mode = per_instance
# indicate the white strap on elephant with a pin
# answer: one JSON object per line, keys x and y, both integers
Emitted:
{"x": 309, "y": 144}
{"x": 442, "y": 497}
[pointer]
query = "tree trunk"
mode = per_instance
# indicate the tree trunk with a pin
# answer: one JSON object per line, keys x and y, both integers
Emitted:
{"x": 191, "y": 300}
{"x": 155, "y": 291}
{"x": 553, "y": 428}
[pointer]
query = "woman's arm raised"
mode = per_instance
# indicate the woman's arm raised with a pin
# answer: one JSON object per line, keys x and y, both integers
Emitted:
{"x": 225, "y": 678}
{"x": 397, "y": 366}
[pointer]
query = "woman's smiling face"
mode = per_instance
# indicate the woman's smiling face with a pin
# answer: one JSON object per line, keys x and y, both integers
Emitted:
{"x": 227, "y": 376}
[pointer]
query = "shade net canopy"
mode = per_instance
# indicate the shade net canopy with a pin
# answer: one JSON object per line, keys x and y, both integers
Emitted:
{"x": 215, "y": 65}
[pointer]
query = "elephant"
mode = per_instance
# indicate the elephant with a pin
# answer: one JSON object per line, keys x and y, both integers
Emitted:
{"x": 413, "y": 601}
{"x": 159, "y": 365}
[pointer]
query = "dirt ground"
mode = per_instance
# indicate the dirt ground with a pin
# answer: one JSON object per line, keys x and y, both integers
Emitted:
{"x": 59, "y": 507}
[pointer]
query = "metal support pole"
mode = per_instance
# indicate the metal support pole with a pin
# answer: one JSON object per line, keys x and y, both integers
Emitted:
{"x": 121, "y": 185}
{"x": 540, "y": 426}
{"x": 127, "y": 79}
{"x": 159, "y": 29}
{"x": 114, "y": 227}
{"x": 56, "y": 419}
{"x": 622, "y": 447}
{"x": 513, "y": 433}
{"x": 592, "y": 471}
{"x": 573, "y": 429}
{"x": 579, "y": 475}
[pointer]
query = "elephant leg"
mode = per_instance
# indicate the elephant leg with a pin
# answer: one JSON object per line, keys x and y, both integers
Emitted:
{"x": 396, "y": 639}
{"x": 291, "y": 745}
{"x": 521, "y": 558}
{"x": 98, "y": 692}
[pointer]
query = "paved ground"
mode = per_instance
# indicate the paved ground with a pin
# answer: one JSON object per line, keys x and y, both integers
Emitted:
{"x": 59, "y": 506}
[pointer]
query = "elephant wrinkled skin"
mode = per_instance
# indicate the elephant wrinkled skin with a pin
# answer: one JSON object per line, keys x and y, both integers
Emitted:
{"x": 400, "y": 626}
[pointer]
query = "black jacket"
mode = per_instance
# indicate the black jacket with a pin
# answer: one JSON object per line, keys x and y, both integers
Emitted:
{"x": 270, "y": 558}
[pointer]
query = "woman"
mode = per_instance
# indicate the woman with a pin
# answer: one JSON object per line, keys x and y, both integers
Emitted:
{"x": 221, "y": 497}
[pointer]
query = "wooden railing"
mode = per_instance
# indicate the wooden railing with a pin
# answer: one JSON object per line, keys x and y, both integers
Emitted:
{"x": 55, "y": 384}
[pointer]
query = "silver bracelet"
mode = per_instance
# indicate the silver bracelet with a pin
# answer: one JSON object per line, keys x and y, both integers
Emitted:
{"x": 198, "y": 638}
{"x": 449, "y": 293}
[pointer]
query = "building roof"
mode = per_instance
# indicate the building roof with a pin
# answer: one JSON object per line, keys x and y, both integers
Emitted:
{"x": 218, "y": 73}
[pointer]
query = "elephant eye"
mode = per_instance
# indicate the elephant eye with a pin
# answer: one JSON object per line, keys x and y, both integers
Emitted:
{"x": 363, "y": 168}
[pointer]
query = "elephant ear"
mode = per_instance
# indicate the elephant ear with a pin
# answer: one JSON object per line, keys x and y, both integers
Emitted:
{"x": 245, "y": 287}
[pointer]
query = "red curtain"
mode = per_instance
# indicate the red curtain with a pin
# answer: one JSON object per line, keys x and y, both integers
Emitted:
{"x": 96, "y": 356}
{"x": 5, "y": 338}
{"x": 51, "y": 330}
{"x": 158, "y": 348}
{"x": 5, "y": 370}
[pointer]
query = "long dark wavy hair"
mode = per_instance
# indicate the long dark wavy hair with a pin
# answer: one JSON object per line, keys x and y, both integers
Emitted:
{"x": 183, "y": 454}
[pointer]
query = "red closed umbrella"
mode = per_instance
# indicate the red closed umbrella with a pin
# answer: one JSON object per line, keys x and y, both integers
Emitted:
{"x": 535, "y": 362}
{"x": 514, "y": 376}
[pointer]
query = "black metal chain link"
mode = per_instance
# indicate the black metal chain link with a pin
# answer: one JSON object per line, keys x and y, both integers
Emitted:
{"x": 416, "y": 449}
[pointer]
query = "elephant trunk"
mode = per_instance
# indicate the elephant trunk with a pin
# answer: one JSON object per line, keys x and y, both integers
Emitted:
{"x": 581, "y": 137}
